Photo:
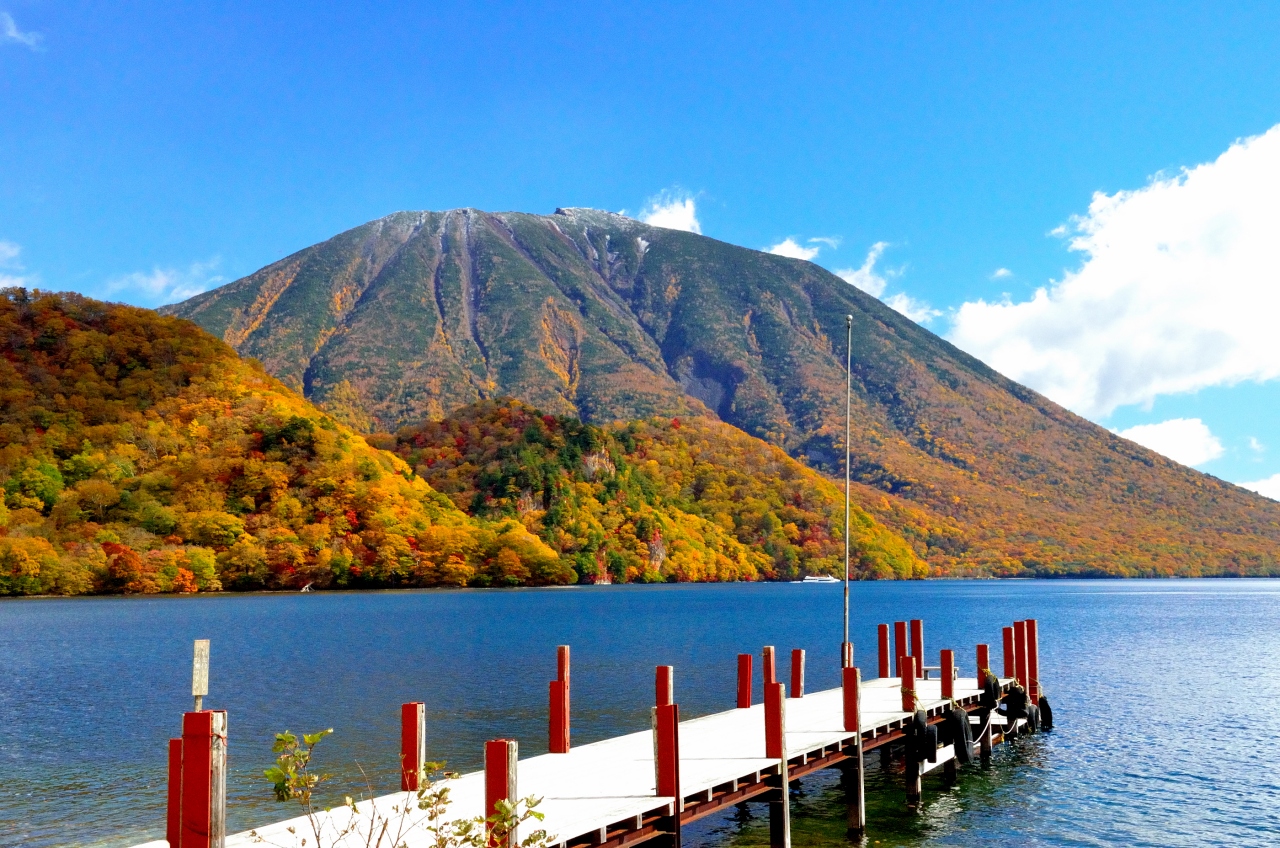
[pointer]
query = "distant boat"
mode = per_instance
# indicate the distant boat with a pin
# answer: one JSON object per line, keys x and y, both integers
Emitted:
{"x": 818, "y": 578}
{"x": 307, "y": 588}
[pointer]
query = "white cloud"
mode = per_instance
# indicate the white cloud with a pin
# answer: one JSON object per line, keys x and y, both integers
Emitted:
{"x": 1185, "y": 440}
{"x": 917, "y": 310}
{"x": 1001, "y": 273}
{"x": 866, "y": 277}
{"x": 1177, "y": 291}
{"x": 9, "y": 32}
{"x": 791, "y": 248}
{"x": 673, "y": 209}
{"x": 10, "y": 262}
{"x": 9, "y": 253}
{"x": 830, "y": 241}
{"x": 1255, "y": 445}
{"x": 1268, "y": 488}
{"x": 166, "y": 285}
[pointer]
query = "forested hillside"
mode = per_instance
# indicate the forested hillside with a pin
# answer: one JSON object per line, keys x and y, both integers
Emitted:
{"x": 593, "y": 315}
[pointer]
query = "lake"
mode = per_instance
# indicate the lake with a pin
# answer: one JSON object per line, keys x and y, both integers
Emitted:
{"x": 1162, "y": 694}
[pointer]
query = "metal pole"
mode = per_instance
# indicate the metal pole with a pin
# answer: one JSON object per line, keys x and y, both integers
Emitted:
{"x": 848, "y": 396}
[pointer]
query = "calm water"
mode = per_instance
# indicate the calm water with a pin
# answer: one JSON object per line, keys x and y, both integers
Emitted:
{"x": 1164, "y": 694}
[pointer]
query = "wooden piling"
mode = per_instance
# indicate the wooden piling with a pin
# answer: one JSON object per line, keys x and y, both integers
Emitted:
{"x": 666, "y": 766}
{"x": 173, "y": 817}
{"x": 1010, "y": 667}
{"x": 1033, "y": 660}
{"x": 413, "y": 745}
{"x": 948, "y": 671}
{"x": 900, "y": 648}
{"x": 917, "y": 645}
{"x": 1020, "y": 651}
{"x": 907, "y": 671}
{"x": 775, "y": 748}
{"x": 204, "y": 779}
{"x": 797, "y": 672}
{"x": 558, "y": 717}
{"x": 984, "y": 662}
{"x": 768, "y": 667}
{"x": 846, "y": 654}
{"x": 852, "y": 776}
{"x": 775, "y": 718}
{"x": 664, "y": 686}
{"x": 882, "y": 644}
{"x": 744, "y": 681}
{"x": 851, "y": 692}
{"x": 500, "y": 759}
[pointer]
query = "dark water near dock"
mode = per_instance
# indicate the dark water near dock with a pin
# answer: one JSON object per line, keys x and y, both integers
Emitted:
{"x": 1164, "y": 694}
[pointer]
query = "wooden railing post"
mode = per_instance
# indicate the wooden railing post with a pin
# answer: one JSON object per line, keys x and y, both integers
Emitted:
{"x": 204, "y": 779}
{"x": 1033, "y": 660}
{"x": 664, "y": 686}
{"x": 413, "y": 745}
{"x": 948, "y": 666}
{"x": 907, "y": 671}
{"x": 1010, "y": 666}
{"x": 882, "y": 639}
{"x": 797, "y": 672}
{"x": 500, "y": 761}
{"x": 173, "y": 817}
{"x": 744, "y": 681}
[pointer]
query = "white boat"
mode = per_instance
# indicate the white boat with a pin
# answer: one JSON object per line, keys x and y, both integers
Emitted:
{"x": 818, "y": 578}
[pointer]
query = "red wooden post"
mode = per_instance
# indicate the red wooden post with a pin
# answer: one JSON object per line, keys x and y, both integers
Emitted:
{"x": 846, "y": 654}
{"x": 775, "y": 721}
{"x": 907, "y": 671}
{"x": 1033, "y": 660}
{"x": 558, "y": 717}
{"x": 562, "y": 663}
{"x": 851, "y": 689}
{"x": 899, "y": 641}
{"x": 769, "y": 668}
{"x": 917, "y": 645}
{"x": 1010, "y": 667}
{"x": 797, "y": 672}
{"x": 500, "y": 758}
{"x": 984, "y": 662}
{"x": 1020, "y": 650}
{"x": 948, "y": 663}
{"x": 882, "y": 635}
{"x": 173, "y": 819}
{"x": 413, "y": 744}
{"x": 664, "y": 686}
{"x": 744, "y": 681}
{"x": 666, "y": 753}
{"x": 204, "y": 787}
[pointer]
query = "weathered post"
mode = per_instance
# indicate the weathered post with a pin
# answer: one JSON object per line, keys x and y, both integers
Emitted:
{"x": 882, "y": 639}
{"x": 775, "y": 748}
{"x": 666, "y": 765}
{"x": 797, "y": 672}
{"x": 744, "y": 681}
{"x": 768, "y": 668}
{"x": 900, "y": 648}
{"x": 1010, "y": 666}
{"x": 204, "y": 779}
{"x": 413, "y": 745}
{"x": 1033, "y": 660}
{"x": 948, "y": 667}
{"x": 664, "y": 686}
{"x": 917, "y": 645}
{"x": 500, "y": 760}
{"x": 200, "y": 673}
{"x": 173, "y": 817}
{"x": 907, "y": 671}
{"x": 1020, "y": 652}
{"x": 984, "y": 662}
{"x": 846, "y": 654}
{"x": 851, "y": 773}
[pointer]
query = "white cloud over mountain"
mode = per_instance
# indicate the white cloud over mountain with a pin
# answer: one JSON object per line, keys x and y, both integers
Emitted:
{"x": 673, "y": 209}
{"x": 1185, "y": 440}
{"x": 1178, "y": 291}
{"x": 166, "y": 285}
{"x": 874, "y": 282}
{"x": 793, "y": 249}
{"x": 1269, "y": 487}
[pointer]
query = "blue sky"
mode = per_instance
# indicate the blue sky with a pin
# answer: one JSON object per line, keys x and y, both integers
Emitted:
{"x": 153, "y": 150}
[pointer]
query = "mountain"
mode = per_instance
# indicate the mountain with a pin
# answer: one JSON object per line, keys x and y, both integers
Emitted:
{"x": 594, "y": 315}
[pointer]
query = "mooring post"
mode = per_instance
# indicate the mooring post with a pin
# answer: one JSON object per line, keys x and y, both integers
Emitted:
{"x": 846, "y": 654}
{"x": 500, "y": 759}
{"x": 917, "y": 645}
{"x": 797, "y": 672}
{"x": 984, "y": 737}
{"x": 204, "y": 779}
{"x": 882, "y": 640}
{"x": 664, "y": 686}
{"x": 984, "y": 662}
{"x": 1033, "y": 661}
{"x": 744, "y": 681}
{"x": 558, "y": 715}
{"x": 666, "y": 765}
{"x": 1020, "y": 652}
{"x": 911, "y": 775}
{"x": 775, "y": 748}
{"x": 173, "y": 817}
{"x": 907, "y": 671}
{"x": 768, "y": 667}
{"x": 900, "y": 648}
{"x": 1010, "y": 667}
{"x": 948, "y": 670}
{"x": 413, "y": 745}
{"x": 851, "y": 774}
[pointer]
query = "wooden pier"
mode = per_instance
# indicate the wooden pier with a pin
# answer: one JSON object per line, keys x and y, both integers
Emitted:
{"x": 643, "y": 786}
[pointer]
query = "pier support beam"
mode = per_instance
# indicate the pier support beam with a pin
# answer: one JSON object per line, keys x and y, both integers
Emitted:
{"x": 666, "y": 765}
{"x": 775, "y": 748}
{"x": 413, "y": 745}
{"x": 500, "y": 759}
{"x": 744, "y": 681}
{"x": 797, "y": 671}
{"x": 984, "y": 738}
{"x": 851, "y": 773}
{"x": 882, "y": 645}
{"x": 204, "y": 779}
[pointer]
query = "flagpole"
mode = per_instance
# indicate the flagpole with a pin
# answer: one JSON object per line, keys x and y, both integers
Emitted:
{"x": 848, "y": 395}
